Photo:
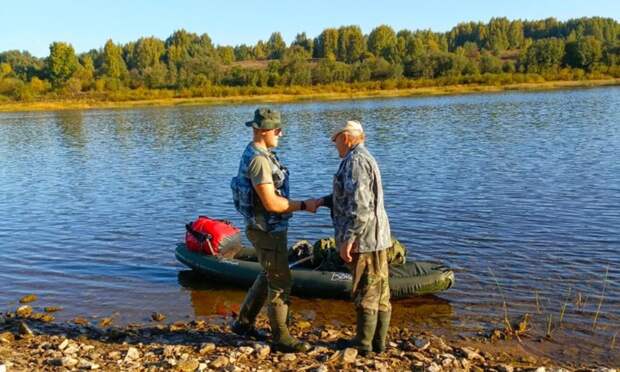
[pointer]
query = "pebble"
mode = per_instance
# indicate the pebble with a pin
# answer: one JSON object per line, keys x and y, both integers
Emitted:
{"x": 71, "y": 349}
{"x": 24, "y": 311}
{"x": 63, "y": 344}
{"x": 220, "y": 362}
{"x": 289, "y": 357}
{"x": 158, "y": 317}
{"x": 2, "y": 367}
{"x": 85, "y": 364}
{"x": 246, "y": 350}
{"x": 202, "y": 367}
{"x": 421, "y": 344}
{"x": 540, "y": 369}
{"x": 188, "y": 365}
{"x": 68, "y": 362}
{"x": 471, "y": 354}
{"x": 132, "y": 354}
{"x": 7, "y": 337}
{"x": 433, "y": 367}
{"x": 349, "y": 355}
{"x": 321, "y": 368}
{"x": 262, "y": 351}
{"x": 206, "y": 348}
{"x": 421, "y": 357}
{"x": 115, "y": 355}
{"x": 505, "y": 368}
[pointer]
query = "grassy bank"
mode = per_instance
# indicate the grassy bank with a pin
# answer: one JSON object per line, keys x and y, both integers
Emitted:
{"x": 300, "y": 94}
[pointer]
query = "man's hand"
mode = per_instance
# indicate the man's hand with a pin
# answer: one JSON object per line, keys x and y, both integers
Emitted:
{"x": 312, "y": 205}
{"x": 345, "y": 252}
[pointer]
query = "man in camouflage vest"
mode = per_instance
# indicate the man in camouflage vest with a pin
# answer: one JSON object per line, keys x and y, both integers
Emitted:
{"x": 362, "y": 232}
{"x": 261, "y": 195}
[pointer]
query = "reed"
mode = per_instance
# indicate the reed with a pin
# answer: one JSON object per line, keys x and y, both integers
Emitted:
{"x": 504, "y": 304}
{"x": 563, "y": 310}
{"x": 537, "y": 297}
{"x": 612, "y": 345}
{"x": 600, "y": 303}
{"x": 549, "y": 322}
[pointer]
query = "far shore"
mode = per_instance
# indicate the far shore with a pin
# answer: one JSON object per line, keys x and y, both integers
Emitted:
{"x": 86, "y": 104}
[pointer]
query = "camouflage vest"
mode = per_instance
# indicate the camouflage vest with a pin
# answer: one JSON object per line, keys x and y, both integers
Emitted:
{"x": 245, "y": 198}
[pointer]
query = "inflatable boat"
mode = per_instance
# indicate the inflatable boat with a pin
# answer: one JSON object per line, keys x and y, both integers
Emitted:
{"x": 406, "y": 280}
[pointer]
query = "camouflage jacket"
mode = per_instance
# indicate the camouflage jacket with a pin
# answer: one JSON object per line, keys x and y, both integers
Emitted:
{"x": 358, "y": 212}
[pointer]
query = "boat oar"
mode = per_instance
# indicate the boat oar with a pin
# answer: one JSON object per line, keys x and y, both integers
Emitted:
{"x": 300, "y": 261}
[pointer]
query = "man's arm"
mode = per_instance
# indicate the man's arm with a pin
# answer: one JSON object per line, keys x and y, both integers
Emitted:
{"x": 273, "y": 202}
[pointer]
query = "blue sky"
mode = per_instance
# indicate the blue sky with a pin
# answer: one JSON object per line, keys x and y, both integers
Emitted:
{"x": 33, "y": 25}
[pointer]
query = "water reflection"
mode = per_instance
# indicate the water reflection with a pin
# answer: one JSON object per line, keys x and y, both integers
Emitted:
{"x": 71, "y": 128}
{"x": 208, "y": 298}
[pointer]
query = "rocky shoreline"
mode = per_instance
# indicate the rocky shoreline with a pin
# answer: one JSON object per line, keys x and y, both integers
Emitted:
{"x": 32, "y": 341}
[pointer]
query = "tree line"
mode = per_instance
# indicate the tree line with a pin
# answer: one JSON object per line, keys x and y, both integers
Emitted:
{"x": 498, "y": 51}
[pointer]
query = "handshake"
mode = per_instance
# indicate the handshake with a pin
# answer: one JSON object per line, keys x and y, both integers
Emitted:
{"x": 312, "y": 204}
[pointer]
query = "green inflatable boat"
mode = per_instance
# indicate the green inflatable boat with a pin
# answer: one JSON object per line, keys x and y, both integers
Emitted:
{"x": 406, "y": 280}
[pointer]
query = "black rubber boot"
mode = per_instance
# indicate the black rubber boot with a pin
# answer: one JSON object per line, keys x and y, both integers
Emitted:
{"x": 282, "y": 340}
{"x": 383, "y": 324}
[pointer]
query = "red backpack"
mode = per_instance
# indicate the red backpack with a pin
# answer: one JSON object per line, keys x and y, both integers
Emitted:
{"x": 211, "y": 236}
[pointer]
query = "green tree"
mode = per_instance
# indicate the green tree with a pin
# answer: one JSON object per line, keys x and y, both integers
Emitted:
{"x": 584, "y": 53}
{"x": 382, "y": 43}
{"x": 243, "y": 53}
{"x": 61, "y": 63}
{"x": 275, "y": 46}
{"x": 351, "y": 44}
{"x": 304, "y": 41}
{"x": 497, "y": 36}
{"x": 326, "y": 44}
{"x": 226, "y": 54}
{"x": 543, "y": 55}
{"x": 515, "y": 35}
{"x": 490, "y": 64}
{"x": 148, "y": 52}
{"x": 260, "y": 50}
{"x": 113, "y": 64}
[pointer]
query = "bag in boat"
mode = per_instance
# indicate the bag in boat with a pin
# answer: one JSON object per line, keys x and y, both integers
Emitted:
{"x": 213, "y": 237}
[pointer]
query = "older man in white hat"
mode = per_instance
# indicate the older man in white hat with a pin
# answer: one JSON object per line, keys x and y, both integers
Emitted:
{"x": 362, "y": 233}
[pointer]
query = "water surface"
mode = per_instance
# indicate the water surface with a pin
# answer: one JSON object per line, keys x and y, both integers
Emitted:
{"x": 518, "y": 192}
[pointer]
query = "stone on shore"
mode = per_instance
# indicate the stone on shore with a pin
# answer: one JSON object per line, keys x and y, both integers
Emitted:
{"x": 421, "y": 344}
{"x": 206, "y": 348}
{"x": 68, "y": 362}
{"x": 132, "y": 354}
{"x": 24, "y": 311}
{"x": 52, "y": 309}
{"x": 348, "y": 355}
{"x": 220, "y": 362}
{"x": 188, "y": 365}
{"x": 7, "y": 338}
{"x": 158, "y": 317}
{"x": 262, "y": 351}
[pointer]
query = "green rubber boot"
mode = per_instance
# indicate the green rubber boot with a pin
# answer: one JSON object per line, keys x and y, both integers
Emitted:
{"x": 282, "y": 340}
{"x": 366, "y": 327}
{"x": 251, "y": 306}
{"x": 383, "y": 324}
{"x": 365, "y": 331}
